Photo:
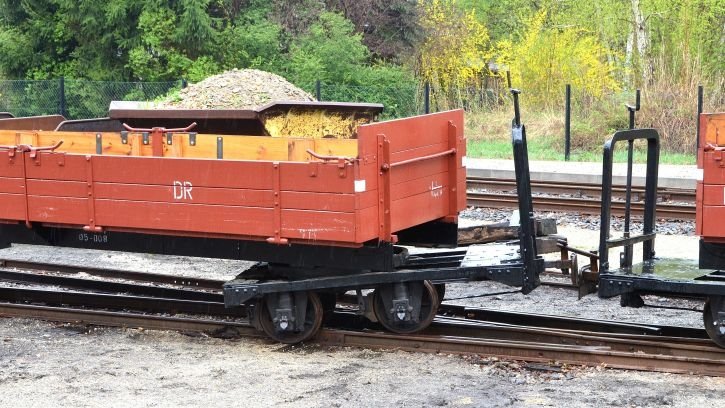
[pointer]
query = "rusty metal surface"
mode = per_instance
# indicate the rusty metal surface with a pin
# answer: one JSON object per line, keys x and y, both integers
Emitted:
{"x": 580, "y": 205}
{"x": 113, "y": 273}
{"x": 579, "y": 189}
{"x": 122, "y": 319}
{"x": 528, "y": 351}
{"x": 49, "y": 122}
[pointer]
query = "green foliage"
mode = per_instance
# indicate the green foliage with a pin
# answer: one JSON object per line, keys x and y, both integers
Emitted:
{"x": 336, "y": 51}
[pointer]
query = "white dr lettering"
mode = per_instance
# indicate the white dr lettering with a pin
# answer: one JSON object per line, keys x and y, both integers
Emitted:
{"x": 182, "y": 190}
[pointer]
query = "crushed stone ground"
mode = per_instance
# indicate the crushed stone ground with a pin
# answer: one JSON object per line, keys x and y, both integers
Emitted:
{"x": 46, "y": 364}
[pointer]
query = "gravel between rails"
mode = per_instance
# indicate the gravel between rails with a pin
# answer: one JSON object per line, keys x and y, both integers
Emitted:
{"x": 44, "y": 364}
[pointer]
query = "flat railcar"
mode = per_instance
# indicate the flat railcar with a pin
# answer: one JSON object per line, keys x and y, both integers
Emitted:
{"x": 703, "y": 279}
{"x": 320, "y": 194}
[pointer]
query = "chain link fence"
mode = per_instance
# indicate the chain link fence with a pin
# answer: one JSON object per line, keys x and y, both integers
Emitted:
{"x": 75, "y": 99}
{"x": 83, "y": 99}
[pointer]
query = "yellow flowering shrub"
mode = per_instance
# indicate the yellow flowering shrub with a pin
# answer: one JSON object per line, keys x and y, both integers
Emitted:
{"x": 545, "y": 59}
{"x": 456, "y": 49}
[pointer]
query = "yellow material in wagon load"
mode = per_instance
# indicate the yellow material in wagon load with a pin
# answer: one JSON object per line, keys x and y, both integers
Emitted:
{"x": 314, "y": 124}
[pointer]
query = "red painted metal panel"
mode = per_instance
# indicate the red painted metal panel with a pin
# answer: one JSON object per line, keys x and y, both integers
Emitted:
{"x": 198, "y": 172}
{"x": 318, "y": 225}
{"x": 57, "y": 210}
{"x": 185, "y": 217}
{"x": 418, "y": 170}
{"x": 713, "y": 164}
{"x": 435, "y": 185}
{"x": 698, "y": 207}
{"x": 418, "y": 131}
{"x": 10, "y": 167}
{"x": 713, "y": 194}
{"x": 417, "y": 209}
{"x": 57, "y": 188}
{"x": 11, "y": 185}
{"x": 12, "y": 206}
{"x": 56, "y": 166}
{"x": 421, "y": 151}
{"x": 317, "y": 177}
{"x": 713, "y": 222}
{"x": 180, "y": 193}
{"x": 318, "y": 201}
{"x": 366, "y": 222}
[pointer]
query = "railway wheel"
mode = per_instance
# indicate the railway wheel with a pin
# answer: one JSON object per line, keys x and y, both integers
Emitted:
{"x": 406, "y": 307}
{"x": 290, "y": 317}
{"x": 715, "y": 330}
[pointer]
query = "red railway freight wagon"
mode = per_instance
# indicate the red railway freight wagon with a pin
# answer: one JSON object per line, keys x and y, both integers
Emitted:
{"x": 318, "y": 193}
{"x": 710, "y": 217}
{"x": 393, "y": 176}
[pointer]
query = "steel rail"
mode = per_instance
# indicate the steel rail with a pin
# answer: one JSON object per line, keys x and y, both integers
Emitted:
{"x": 450, "y": 336}
{"x": 567, "y": 323}
{"x": 598, "y": 351}
{"x": 574, "y": 188}
{"x": 110, "y": 286}
{"x": 580, "y": 205}
{"x": 116, "y": 301}
{"x": 527, "y": 351}
{"x": 146, "y": 298}
{"x": 122, "y": 319}
{"x": 114, "y": 273}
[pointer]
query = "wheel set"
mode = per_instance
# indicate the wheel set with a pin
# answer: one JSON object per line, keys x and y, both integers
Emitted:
{"x": 294, "y": 317}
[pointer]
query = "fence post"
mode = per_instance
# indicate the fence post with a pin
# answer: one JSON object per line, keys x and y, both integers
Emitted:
{"x": 508, "y": 78}
{"x": 567, "y": 123}
{"x": 426, "y": 97}
{"x": 61, "y": 96}
{"x": 697, "y": 120}
{"x": 318, "y": 90}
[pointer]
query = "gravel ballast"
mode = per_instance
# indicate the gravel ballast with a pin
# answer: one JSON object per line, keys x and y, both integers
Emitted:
{"x": 46, "y": 364}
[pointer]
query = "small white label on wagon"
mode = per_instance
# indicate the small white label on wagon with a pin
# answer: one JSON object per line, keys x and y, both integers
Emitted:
{"x": 359, "y": 186}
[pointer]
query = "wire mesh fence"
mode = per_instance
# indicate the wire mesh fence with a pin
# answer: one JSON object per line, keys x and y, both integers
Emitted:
{"x": 74, "y": 99}
{"x": 83, "y": 99}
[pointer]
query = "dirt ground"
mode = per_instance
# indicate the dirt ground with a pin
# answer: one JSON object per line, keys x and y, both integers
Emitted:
{"x": 45, "y": 364}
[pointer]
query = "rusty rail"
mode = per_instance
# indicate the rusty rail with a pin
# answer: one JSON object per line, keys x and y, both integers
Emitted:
{"x": 579, "y": 205}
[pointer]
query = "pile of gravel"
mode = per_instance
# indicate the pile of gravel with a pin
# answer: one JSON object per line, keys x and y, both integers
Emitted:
{"x": 236, "y": 89}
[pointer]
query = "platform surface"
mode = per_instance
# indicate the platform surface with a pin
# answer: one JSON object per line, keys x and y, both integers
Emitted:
{"x": 669, "y": 176}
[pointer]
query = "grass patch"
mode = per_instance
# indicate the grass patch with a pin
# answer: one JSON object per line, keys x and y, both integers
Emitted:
{"x": 542, "y": 150}
{"x": 489, "y": 137}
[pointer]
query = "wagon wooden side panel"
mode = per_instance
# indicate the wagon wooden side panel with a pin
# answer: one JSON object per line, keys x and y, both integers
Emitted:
{"x": 421, "y": 175}
{"x": 396, "y": 175}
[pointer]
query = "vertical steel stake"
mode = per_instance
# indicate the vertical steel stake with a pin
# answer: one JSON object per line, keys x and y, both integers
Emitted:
{"x": 567, "y": 123}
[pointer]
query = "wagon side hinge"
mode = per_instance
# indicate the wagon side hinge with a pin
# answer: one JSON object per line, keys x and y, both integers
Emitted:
{"x": 25, "y": 192}
{"x": 91, "y": 198}
{"x": 384, "y": 216}
{"x": 277, "y": 238}
{"x": 453, "y": 163}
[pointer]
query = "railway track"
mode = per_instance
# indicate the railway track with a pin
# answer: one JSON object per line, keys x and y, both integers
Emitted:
{"x": 580, "y": 198}
{"x": 457, "y": 330}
